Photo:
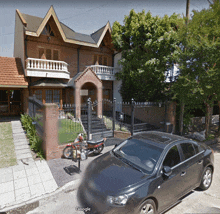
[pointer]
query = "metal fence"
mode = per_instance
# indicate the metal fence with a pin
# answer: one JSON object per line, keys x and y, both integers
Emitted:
{"x": 35, "y": 108}
{"x": 68, "y": 125}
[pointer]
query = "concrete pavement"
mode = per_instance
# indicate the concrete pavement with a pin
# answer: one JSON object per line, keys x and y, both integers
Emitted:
{"x": 27, "y": 180}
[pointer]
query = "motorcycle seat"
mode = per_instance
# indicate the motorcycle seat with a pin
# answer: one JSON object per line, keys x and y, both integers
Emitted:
{"x": 95, "y": 141}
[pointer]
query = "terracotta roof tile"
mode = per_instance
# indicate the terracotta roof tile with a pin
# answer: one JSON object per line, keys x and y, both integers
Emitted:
{"x": 11, "y": 72}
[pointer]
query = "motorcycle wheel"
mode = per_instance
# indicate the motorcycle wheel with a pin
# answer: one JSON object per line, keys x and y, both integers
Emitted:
{"x": 68, "y": 152}
{"x": 98, "y": 150}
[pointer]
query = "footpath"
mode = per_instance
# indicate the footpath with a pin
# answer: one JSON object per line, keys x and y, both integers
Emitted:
{"x": 28, "y": 179}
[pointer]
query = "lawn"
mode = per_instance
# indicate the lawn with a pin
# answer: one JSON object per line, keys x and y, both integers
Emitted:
{"x": 7, "y": 151}
{"x": 68, "y": 130}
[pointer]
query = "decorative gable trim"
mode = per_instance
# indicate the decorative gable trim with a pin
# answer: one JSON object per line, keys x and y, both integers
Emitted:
{"x": 51, "y": 12}
{"x": 21, "y": 18}
{"x": 84, "y": 72}
{"x": 107, "y": 27}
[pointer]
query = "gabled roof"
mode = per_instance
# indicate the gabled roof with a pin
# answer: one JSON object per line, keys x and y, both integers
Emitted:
{"x": 35, "y": 25}
{"x": 11, "y": 73}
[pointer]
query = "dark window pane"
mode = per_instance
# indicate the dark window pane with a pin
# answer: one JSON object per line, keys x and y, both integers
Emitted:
{"x": 105, "y": 61}
{"x": 172, "y": 157}
{"x": 188, "y": 150}
{"x": 56, "y": 96}
{"x": 41, "y": 52}
{"x": 4, "y": 95}
{"x": 95, "y": 59}
{"x": 55, "y": 55}
{"x": 100, "y": 60}
{"x": 48, "y": 54}
{"x": 49, "y": 96}
{"x": 38, "y": 94}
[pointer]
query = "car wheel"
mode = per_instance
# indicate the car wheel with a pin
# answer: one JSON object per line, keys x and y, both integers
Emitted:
{"x": 206, "y": 179}
{"x": 147, "y": 207}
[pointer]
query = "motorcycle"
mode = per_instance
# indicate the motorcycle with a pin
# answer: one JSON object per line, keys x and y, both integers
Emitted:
{"x": 81, "y": 148}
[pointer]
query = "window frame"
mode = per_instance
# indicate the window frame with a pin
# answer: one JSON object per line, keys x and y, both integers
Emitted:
{"x": 186, "y": 159}
{"x": 52, "y": 53}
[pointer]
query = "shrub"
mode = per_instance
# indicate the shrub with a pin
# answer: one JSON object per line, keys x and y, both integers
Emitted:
{"x": 34, "y": 140}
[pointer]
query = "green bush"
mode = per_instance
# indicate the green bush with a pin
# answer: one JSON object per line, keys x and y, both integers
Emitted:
{"x": 34, "y": 140}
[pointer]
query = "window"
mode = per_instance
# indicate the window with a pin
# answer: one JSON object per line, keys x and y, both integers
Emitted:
{"x": 105, "y": 61}
{"x": 55, "y": 55}
{"x": 172, "y": 157}
{"x": 50, "y": 54}
{"x": 53, "y": 96}
{"x": 102, "y": 60}
{"x": 41, "y": 52}
{"x": 38, "y": 94}
{"x": 48, "y": 31}
{"x": 197, "y": 148}
{"x": 188, "y": 150}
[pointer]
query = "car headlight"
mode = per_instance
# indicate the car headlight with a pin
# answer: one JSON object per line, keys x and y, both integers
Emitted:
{"x": 119, "y": 200}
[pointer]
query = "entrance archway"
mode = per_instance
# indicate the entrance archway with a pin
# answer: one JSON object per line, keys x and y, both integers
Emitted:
{"x": 88, "y": 90}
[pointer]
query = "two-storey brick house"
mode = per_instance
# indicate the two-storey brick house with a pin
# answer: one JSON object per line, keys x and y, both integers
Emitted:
{"x": 63, "y": 66}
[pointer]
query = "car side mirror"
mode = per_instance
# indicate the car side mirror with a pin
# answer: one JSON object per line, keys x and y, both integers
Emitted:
{"x": 167, "y": 171}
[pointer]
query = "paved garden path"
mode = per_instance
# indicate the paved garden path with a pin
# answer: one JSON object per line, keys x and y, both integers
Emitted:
{"x": 28, "y": 179}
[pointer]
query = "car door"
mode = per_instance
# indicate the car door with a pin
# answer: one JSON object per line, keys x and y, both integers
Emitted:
{"x": 169, "y": 188}
{"x": 192, "y": 164}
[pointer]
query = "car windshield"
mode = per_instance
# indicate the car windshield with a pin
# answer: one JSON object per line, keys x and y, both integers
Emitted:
{"x": 141, "y": 154}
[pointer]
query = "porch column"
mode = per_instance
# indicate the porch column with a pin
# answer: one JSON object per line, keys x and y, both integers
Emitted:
{"x": 99, "y": 99}
{"x": 78, "y": 102}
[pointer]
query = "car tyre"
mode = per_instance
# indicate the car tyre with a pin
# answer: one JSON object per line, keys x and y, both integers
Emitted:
{"x": 147, "y": 207}
{"x": 206, "y": 179}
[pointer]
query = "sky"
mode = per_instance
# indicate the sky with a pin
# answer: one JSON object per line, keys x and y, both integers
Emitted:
{"x": 84, "y": 16}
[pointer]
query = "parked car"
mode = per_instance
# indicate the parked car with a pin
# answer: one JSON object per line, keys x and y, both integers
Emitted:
{"x": 147, "y": 173}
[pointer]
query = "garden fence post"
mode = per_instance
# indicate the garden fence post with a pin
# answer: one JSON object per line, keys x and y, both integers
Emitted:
{"x": 114, "y": 115}
{"x": 89, "y": 119}
{"x": 132, "y": 116}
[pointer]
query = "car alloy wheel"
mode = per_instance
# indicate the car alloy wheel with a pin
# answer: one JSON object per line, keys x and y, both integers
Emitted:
{"x": 206, "y": 179}
{"x": 148, "y": 207}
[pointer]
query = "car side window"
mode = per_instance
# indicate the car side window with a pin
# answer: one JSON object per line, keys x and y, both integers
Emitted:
{"x": 172, "y": 158}
{"x": 188, "y": 150}
{"x": 198, "y": 148}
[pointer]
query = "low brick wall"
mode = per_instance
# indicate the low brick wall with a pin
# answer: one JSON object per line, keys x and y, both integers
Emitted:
{"x": 122, "y": 135}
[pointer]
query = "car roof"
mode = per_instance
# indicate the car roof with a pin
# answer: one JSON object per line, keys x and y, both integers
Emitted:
{"x": 160, "y": 139}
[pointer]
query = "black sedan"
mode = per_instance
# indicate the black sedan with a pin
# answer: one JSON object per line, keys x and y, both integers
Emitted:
{"x": 147, "y": 173}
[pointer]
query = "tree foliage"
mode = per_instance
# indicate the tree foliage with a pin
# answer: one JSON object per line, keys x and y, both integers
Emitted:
{"x": 199, "y": 59}
{"x": 147, "y": 44}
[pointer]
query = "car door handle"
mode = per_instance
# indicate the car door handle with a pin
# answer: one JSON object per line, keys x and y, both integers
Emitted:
{"x": 200, "y": 162}
{"x": 183, "y": 173}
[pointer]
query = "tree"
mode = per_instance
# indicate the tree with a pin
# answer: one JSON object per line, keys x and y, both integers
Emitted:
{"x": 147, "y": 44}
{"x": 199, "y": 59}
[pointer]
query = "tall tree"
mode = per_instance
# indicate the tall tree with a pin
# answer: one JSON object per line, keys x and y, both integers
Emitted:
{"x": 147, "y": 44}
{"x": 199, "y": 59}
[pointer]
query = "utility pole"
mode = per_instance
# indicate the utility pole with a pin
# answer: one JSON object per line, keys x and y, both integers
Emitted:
{"x": 187, "y": 11}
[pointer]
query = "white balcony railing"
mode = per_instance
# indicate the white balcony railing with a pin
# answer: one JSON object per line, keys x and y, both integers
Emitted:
{"x": 46, "y": 68}
{"x": 105, "y": 72}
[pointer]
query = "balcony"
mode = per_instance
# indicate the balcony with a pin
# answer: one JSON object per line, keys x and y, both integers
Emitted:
{"x": 46, "y": 68}
{"x": 105, "y": 72}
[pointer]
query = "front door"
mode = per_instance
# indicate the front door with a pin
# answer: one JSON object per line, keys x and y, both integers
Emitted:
{"x": 169, "y": 188}
{"x": 10, "y": 102}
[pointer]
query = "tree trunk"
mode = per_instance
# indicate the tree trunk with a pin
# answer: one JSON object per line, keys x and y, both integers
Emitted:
{"x": 182, "y": 105}
{"x": 219, "y": 116}
{"x": 207, "y": 119}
